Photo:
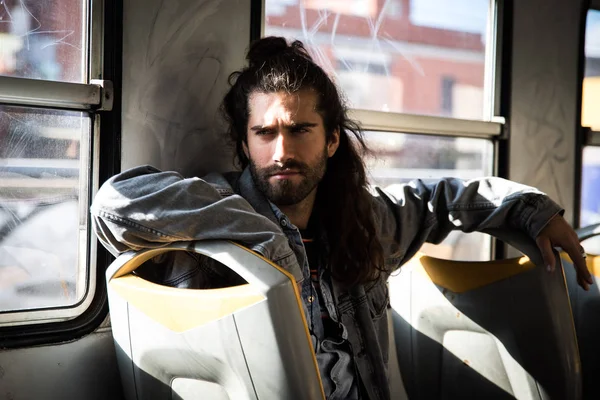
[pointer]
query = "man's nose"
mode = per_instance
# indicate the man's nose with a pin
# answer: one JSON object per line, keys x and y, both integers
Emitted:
{"x": 283, "y": 148}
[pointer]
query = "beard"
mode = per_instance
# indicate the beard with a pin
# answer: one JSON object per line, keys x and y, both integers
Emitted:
{"x": 285, "y": 192}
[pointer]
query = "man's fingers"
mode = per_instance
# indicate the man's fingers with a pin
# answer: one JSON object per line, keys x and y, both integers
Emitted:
{"x": 577, "y": 253}
{"x": 559, "y": 233}
{"x": 588, "y": 276}
{"x": 546, "y": 249}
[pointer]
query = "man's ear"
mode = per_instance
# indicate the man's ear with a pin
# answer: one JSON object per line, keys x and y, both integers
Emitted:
{"x": 246, "y": 151}
{"x": 334, "y": 143}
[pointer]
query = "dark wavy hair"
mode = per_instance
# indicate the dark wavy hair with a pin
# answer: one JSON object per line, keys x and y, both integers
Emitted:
{"x": 356, "y": 255}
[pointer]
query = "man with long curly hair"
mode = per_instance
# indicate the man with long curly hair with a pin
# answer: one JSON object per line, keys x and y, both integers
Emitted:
{"x": 302, "y": 200}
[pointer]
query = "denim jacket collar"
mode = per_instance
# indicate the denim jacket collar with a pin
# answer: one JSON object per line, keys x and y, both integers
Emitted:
{"x": 248, "y": 190}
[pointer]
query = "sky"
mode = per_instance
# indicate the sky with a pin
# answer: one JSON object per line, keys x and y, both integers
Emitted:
{"x": 592, "y": 34}
{"x": 471, "y": 16}
{"x": 462, "y": 15}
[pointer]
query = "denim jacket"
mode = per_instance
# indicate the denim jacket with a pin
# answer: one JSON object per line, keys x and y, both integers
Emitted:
{"x": 146, "y": 208}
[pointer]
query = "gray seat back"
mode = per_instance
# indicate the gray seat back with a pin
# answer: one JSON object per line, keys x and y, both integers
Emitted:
{"x": 244, "y": 342}
{"x": 397, "y": 390}
{"x": 486, "y": 330}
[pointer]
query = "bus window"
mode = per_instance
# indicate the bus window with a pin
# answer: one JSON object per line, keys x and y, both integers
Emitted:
{"x": 399, "y": 158}
{"x": 590, "y": 177}
{"x": 48, "y": 123}
{"x": 408, "y": 68}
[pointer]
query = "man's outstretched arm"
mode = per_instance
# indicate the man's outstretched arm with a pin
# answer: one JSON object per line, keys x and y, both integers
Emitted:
{"x": 427, "y": 211}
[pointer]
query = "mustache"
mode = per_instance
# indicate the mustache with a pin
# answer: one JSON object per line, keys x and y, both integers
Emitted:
{"x": 288, "y": 165}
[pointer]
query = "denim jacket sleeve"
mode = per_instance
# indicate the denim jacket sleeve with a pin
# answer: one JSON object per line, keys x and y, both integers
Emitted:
{"x": 146, "y": 208}
{"x": 421, "y": 211}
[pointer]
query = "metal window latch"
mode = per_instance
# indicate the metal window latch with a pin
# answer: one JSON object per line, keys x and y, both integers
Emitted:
{"x": 505, "y": 128}
{"x": 107, "y": 94}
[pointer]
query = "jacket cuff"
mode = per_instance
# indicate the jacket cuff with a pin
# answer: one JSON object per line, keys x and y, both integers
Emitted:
{"x": 539, "y": 213}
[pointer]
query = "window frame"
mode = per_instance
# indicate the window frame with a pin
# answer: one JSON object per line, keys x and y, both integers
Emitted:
{"x": 103, "y": 34}
{"x": 50, "y": 94}
{"x": 591, "y": 137}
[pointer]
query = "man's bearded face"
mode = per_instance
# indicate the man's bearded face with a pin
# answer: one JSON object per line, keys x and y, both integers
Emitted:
{"x": 287, "y": 146}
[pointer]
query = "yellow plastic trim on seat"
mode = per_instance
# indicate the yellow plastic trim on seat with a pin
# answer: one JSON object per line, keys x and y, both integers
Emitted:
{"x": 463, "y": 276}
{"x": 182, "y": 309}
{"x": 592, "y": 262}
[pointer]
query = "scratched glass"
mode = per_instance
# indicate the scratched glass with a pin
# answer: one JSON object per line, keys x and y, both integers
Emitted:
{"x": 41, "y": 224}
{"x": 407, "y": 56}
{"x": 43, "y": 39}
{"x": 398, "y": 158}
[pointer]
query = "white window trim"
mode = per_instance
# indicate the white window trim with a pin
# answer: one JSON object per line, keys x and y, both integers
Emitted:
{"x": 428, "y": 125}
{"x": 35, "y": 92}
{"x": 493, "y": 64}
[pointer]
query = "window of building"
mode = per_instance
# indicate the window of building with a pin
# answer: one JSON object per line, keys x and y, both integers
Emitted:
{"x": 48, "y": 125}
{"x": 418, "y": 76}
{"x": 447, "y": 95}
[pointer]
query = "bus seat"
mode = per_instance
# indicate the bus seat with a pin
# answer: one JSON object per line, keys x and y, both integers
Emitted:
{"x": 486, "y": 330}
{"x": 586, "y": 308}
{"x": 243, "y": 342}
{"x": 396, "y": 382}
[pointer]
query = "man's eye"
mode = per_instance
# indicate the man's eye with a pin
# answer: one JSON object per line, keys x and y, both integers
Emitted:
{"x": 263, "y": 132}
{"x": 301, "y": 130}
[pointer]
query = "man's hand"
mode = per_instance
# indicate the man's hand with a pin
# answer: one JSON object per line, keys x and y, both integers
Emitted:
{"x": 558, "y": 233}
